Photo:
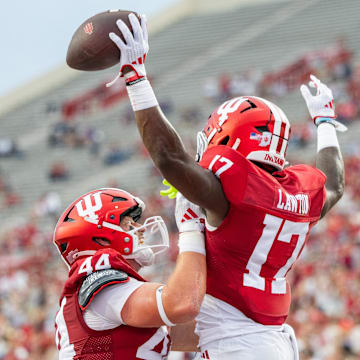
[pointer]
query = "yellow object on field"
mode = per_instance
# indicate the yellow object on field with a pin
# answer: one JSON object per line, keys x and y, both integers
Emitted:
{"x": 170, "y": 192}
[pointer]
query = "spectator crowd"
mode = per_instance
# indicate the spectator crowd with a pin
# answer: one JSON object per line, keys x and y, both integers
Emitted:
{"x": 334, "y": 63}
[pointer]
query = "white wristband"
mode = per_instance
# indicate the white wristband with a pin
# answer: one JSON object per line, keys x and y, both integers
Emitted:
{"x": 193, "y": 241}
{"x": 141, "y": 95}
{"x": 160, "y": 306}
{"x": 326, "y": 136}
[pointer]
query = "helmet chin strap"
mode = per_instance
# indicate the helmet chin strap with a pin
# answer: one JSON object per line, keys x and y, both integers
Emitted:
{"x": 84, "y": 253}
{"x": 144, "y": 257}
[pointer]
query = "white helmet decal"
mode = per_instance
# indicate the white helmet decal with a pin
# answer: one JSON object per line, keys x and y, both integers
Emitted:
{"x": 90, "y": 209}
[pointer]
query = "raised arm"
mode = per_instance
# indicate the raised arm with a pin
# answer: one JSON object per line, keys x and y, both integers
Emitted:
{"x": 158, "y": 135}
{"x": 176, "y": 165}
{"x": 330, "y": 162}
{"x": 328, "y": 157}
{"x": 180, "y": 299}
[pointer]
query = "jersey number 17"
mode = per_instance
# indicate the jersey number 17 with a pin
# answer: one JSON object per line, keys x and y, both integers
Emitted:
{"x": 275, "y": 229}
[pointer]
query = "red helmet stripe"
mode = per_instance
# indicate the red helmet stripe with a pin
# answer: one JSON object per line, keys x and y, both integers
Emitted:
{"x": 281, "y": 129}
{"x": 286, "y": 138}
{"x": 282, "y": 133}
{"x": 277, "y": 124}
{"x": 279, "y": 145}
{"x": 276, "y": 141}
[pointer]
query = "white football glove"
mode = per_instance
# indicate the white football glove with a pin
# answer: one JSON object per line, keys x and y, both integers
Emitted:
{"x": 134, "y": 51}
{"x": 188, "y": 216}
{"x": 321, "y": 106}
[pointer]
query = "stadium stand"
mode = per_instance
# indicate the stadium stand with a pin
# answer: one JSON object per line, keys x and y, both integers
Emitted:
{"x": 263, "y": 38}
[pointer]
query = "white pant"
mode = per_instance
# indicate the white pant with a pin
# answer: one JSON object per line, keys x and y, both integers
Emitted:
{"x": 269, "y": 345}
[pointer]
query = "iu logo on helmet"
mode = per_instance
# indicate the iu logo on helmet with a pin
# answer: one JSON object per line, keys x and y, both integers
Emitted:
{"x": 89, "y": 28}
{"x": 229, "y": 107}
{"x": 90, "y": 208}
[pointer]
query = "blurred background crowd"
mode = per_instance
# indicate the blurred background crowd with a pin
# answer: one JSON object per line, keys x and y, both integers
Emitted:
{"x": 88, "y": 140}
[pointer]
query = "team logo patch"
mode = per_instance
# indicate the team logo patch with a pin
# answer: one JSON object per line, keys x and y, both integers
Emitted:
{"x": 229, "y": 107}
{"x": 89, "y": 28}
{"x": 263, "y": 139}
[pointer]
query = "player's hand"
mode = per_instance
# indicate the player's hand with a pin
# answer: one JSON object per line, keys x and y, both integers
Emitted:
{"x": 134, "y": 49}
{"x": 189, "y": 217}
{"x": 321, "y": 105}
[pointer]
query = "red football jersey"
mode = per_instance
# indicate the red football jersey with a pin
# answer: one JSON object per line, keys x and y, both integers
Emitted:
{"x": 75, "y": 340}
{"x": 264, "y": 232}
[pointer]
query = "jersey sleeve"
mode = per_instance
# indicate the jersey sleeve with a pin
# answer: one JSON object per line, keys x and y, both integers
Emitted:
{"x": 230, "y": 167}
{"x": 104, "y": 312}
{"x": 311, "y": 177}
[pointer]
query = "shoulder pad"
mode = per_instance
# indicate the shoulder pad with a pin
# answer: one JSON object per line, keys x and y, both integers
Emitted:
{"x": 96, "y": 281}
{"x": 231, "y": 168}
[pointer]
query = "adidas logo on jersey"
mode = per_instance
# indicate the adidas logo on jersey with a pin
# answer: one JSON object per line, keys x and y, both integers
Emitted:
{"x": 298, "y": 203}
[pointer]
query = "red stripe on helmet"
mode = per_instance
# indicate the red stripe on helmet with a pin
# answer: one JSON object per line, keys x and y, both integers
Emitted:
{"x": 281, "y": 137}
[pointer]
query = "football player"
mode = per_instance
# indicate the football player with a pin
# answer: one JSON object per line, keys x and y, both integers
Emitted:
{"x": 258, "y": 213}
{"x": 107, "y": 310}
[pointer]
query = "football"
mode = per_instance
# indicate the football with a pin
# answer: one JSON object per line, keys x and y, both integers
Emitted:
{"x": 90, "y": 47}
